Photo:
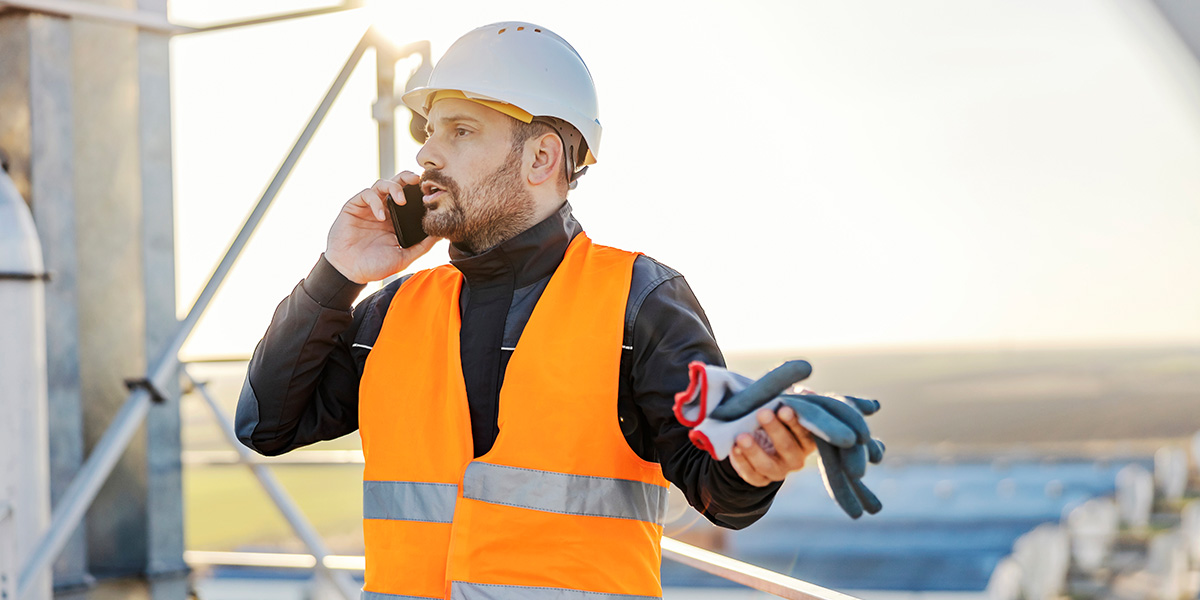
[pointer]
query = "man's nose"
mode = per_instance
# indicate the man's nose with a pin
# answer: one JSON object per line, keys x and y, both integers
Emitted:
{"x": 429, "y": 157}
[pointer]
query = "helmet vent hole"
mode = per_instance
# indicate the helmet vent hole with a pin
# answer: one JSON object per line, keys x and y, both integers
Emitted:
{"x": 502, "y": 31}
{"x": 520, "y": 29}
{"x": 537, "y": 30}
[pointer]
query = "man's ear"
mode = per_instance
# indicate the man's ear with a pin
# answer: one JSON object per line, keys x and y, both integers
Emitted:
{"x": 547, "y": 159}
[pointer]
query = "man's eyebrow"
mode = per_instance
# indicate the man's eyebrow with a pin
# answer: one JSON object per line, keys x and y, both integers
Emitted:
{"x": 463, "y": 118}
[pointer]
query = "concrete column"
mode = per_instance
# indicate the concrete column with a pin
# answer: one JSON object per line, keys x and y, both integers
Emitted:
{"x": 111, "y": 304}
{"x": 123, "y": 191}
{"x": 36, "y": 138}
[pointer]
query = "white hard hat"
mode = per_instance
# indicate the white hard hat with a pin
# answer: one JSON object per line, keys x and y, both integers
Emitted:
{"x": 521, "y": 65}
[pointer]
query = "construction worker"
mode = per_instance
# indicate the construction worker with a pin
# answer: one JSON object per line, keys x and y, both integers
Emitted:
{"x": 515, "y": 406}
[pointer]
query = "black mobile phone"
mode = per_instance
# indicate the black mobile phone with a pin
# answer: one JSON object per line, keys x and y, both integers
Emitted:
{"x": 406, "y": 218}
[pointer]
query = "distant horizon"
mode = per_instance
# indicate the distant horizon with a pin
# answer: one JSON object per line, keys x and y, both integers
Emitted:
{"x": 980, "y": 347}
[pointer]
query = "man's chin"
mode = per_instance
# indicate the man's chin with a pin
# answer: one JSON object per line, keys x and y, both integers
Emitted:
{"x": 436, "y": 225}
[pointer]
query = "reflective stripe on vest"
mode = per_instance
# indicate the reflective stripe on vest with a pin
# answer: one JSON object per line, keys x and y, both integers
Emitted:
{"x": 409, "y": 501}
{"x": 481, "y": 591}
{"x": 564, "y": 493}
{"x": 380, "y": 596}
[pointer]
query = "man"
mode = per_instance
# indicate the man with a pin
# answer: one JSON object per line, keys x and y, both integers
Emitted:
{"x": 515, "y": 406}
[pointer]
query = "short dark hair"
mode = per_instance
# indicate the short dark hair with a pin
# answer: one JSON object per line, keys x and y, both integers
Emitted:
{"x": 523, "y": 132}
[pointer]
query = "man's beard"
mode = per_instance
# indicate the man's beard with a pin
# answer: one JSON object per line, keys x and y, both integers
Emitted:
{"x": 479, "y": 219}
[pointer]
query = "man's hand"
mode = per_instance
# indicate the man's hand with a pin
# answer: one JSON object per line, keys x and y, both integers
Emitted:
{"x": 770, "y": 433}
{"x": 791, "y": 441}
{"x": 361, "y": 244}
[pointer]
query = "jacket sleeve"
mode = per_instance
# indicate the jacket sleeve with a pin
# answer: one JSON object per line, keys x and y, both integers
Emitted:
{"x": 302, "y": 383}
{"x": 670, "y": 330}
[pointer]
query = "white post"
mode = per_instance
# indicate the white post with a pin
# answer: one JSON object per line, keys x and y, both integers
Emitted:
{"x": 1167, "y": 562}
{"x": 1093, "y": 527}
{"x": 24, "y": 446}
{"x": 1005, "y": 582}
{"x": 1171, "y": 471}
{"x": 1043, "y": 555}
{"x": 1135, "y": 495}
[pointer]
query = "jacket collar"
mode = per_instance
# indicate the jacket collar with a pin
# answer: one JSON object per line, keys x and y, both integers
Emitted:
{"x": 526, "y": 258}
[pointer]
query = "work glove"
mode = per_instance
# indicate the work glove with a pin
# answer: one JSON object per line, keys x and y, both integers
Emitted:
{"x": 719, "y": 405}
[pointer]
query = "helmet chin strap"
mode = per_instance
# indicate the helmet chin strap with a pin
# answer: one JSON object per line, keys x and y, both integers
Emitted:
{"x": 574, "y": 147}
{"x": 575, "y": 178}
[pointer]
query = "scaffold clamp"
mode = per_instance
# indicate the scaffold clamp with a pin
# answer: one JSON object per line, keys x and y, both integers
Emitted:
{"x": 146, "y": 384}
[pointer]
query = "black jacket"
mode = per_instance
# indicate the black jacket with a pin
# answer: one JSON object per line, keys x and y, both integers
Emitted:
{"x": 302, "y": 384}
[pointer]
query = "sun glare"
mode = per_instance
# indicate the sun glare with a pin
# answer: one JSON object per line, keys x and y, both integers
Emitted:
{"x": 394, "y": 20}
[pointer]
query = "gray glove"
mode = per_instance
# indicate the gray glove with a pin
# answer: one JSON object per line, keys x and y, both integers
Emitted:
{"x": 720, "y": 405}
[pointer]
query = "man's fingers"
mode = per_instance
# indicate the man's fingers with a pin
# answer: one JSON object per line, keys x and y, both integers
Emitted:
{"x": 786, "y": 446}
{"x": 764, "y": 464}
{"x": 803, "y": 436}
{"x": 376, "y": 195}
{"x": 744, "y": 469}
{"x": 406, "y": 178}
{"x": 808, "y": 443}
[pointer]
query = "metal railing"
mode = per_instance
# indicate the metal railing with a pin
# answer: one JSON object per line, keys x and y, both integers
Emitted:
{"x": 82, "y": 490}
{"x": 737, "y": 571}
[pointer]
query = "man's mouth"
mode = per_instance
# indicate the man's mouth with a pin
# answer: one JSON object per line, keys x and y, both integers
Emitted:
{"x": 431, "y": 191}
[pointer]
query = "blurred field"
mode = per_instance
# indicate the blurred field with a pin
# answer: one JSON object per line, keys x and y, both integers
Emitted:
{"x": 228, "y": 510}
{"x": 1075, "y": 402}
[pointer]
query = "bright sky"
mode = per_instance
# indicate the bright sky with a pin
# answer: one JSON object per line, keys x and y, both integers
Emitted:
{"x": 826, "y": 174}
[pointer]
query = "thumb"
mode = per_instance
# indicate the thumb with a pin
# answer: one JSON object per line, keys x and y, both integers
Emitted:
{"x": 419, "y": 249}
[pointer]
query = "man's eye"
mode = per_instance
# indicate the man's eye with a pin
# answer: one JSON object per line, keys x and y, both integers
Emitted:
{"x": 460, "y": 132}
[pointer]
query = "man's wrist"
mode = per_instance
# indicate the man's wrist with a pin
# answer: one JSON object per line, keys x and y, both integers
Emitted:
{"x": 329, "y": 287}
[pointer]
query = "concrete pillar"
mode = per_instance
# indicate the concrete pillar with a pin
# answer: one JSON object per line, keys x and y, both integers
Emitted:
{"x": 36, "y": 139}
{"x": 111, "y": 305}
{"x": 127, "y": 289}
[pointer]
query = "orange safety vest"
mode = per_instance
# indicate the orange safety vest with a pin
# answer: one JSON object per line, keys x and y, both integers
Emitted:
{"x": 560, "y": 507}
